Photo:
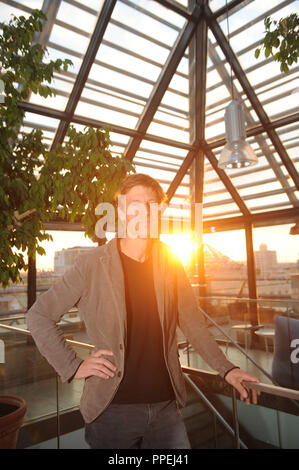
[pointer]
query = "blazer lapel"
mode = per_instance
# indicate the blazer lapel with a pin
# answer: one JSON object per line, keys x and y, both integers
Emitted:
{"x": 115, "y": 277}
{"x": 158, "y": 279}
{"x": 111, "y": 263}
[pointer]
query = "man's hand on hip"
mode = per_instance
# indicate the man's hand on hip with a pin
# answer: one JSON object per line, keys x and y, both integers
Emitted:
{"x": 235, "y": 377}
{"x": 96, "y": 365}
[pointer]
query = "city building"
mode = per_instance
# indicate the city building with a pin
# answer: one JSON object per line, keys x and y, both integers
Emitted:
{"x": 65, "y": 258}
{"x": 266, "y": 261}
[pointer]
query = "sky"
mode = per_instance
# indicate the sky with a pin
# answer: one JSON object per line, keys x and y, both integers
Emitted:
{"x": 231, "y": 244}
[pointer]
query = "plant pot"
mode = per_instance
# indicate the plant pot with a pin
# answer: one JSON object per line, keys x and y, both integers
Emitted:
{"x": 12, "y": 414}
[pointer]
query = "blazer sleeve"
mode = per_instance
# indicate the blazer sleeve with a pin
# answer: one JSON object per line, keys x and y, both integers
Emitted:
{"x": 192, "y": 323}
{"x": 46, "y": 312}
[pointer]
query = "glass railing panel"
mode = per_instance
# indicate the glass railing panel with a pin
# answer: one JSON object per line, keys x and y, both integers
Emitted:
{"x": 25, "y": 373}
{"x": 204, "y": 429}
{"x": 250, "y": 324}
{"x": 272, "y": 423}
{"x": 208, "y": 426}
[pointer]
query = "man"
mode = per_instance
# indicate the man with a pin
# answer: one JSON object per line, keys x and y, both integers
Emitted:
{"x": 133, "y": 293}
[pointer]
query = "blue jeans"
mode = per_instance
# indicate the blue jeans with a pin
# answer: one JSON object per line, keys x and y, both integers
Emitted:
{"x": 138, "y": 426}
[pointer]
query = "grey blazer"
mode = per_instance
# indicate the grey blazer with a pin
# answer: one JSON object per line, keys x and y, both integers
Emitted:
{"x": 95, "y": 283}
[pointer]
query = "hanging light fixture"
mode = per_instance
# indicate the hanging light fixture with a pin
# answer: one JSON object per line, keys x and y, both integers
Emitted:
{"x": 237, "y": 153}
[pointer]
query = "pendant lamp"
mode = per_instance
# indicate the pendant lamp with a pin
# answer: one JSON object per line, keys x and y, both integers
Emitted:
{"x": 237, "y": 153}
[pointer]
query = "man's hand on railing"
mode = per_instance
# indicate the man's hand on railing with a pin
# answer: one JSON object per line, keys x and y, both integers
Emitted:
{"x": 96, "y": 365}
{"x": 235, "y": 377}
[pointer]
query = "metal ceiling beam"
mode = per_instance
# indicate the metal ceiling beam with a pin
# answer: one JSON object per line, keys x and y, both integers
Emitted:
{"x": 113, "y": 67}
{"x": 273, "y": 99}
{"x": 197, "y": 74}
{"x": 259, "y": 129}
{"x": 265, "y": 219}
{"x": 226, "y": 80}
{"x": 143, "y": 10}
{"x": 241, "y": 186}
{"x": 251, "y": 95}
{"x": 175, "y": 7}
{"x": 180, "y": 174}
{"x": 221, "y": 174}
{"x": 61, "y": 115}
{"x": 163, "y": 82}
{"x": 233, "y": 5}
{"x": 86, "y": 65}
{"x": 197, "y": 83}
{"x": 50, "y": 9}
{"x": 225, "y": 179}
{"x": 246, "y": 173}
{"x": 248, "y": 197}
{"x": 85, "y": 121}
{"x": 255, "y": 20}
{"x": 253, "y": 210}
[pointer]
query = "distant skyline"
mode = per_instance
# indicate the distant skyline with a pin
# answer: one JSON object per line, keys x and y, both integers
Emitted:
{"x": 231, "y": 244}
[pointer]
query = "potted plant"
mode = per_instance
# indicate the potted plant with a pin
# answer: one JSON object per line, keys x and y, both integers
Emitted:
{"x": 12, "y": 415}
{"x": 37, "y": 184}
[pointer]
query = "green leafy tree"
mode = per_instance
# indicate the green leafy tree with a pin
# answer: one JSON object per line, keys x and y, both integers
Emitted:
{"x": 282, "y": 42}
{"x": 36, "y": 182}
{"x": 80, "y": 174}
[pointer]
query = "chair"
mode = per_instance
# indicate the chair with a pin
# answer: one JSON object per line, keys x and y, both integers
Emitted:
{"x": 285, "y": 366}
{"x": 266, "y": 333}
{"x": 245, "y": 327}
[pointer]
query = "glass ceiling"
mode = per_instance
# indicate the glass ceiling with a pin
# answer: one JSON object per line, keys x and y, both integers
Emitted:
{"x": 140, "y": 84}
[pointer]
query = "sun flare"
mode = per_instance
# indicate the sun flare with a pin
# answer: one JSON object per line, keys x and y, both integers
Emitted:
{"x": 183, "y": 245}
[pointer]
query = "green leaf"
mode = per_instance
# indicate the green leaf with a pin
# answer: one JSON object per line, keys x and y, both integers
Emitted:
{"x": 268, "y": 51}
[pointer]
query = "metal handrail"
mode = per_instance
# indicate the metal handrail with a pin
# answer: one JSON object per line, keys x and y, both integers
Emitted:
{"x": 247, "y": 299}
{"x": 272, "y": 389}
{"x": 234, "y": 432}
{"x": 239, "y": 299}
{"x": 268, "y": 388}
{"x": 15, "y": 312}
{"x": 259, "y": 386}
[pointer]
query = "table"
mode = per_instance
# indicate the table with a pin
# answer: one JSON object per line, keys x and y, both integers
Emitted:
{"x": 245, "y": 327}
{"x": 266, "y": 333}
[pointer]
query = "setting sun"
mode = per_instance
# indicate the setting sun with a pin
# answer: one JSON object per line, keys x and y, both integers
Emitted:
{"x": 182, "y": 244}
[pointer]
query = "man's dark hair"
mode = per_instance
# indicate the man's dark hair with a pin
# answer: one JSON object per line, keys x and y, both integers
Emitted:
{"x": 141, "y": 179}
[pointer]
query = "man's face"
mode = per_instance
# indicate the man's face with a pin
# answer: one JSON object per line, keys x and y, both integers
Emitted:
{"x": 135, "y": 211}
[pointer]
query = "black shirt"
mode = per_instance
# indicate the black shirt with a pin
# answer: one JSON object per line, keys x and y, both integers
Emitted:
{"x": 146, "y": 378}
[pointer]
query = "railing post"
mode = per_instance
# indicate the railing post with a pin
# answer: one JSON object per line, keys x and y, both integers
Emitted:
{"x": 235, "y": 418}
{"x": 57, "y": 413}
